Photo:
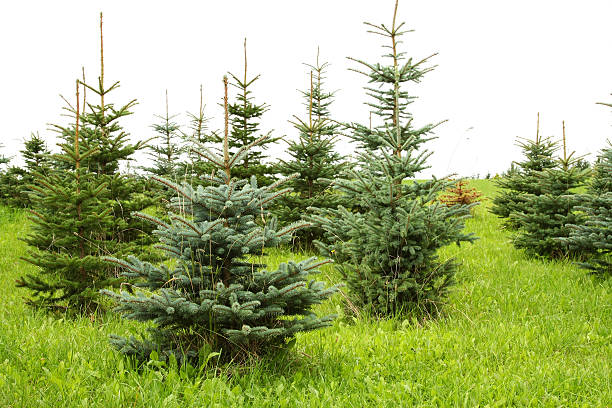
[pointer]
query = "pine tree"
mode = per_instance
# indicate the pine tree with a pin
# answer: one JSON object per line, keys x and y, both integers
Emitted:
{"x": 195, "y": 169}
{"x": 14, "y": 181}
{"x": 593, "y": 238}
{"x": 313, "y": 159}
{"x": 217, "y": 296}
{"x": 460, "y": 194}
{"x": 68, "y": 215}
{"x": 522, "y": 178}
{"x": 544, "y": 217}
{"x": 10, "y": 182}
{"x": 245, "y": 117}
{"x": 3, "y": 159}
{"x": 387, "y": 251}
{"x": 102, "y": 133}
{"x": 165, "y": 150}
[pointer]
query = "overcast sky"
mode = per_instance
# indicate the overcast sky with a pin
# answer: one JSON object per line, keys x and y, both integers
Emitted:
{"x": 498, "y": 64}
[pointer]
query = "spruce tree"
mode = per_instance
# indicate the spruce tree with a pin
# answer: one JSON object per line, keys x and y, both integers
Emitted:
{"x": 543, "y": 218}
{"x": 195, "y": 169}
{"x": 165, "y": 149}
{"x": 313, "y": 159}
{"x": 522, "y": 178}
{"x": 14, "y": 181}
{"x": 245, "y": 118}
{"x": 68, "y": 216}
{"x": 102, "y": 133}
{"x": 217, "y": 296}
{"x": 10, "y": 182}
{"x": 387, "y": 250}
{"x": 460, "y": 194}
{"x": 4, "y": 159}
{"x": 593, "y": 238}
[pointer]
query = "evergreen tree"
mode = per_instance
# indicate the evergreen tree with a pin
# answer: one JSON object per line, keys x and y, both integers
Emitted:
{"x": 460, "y": 194}
{"x": 195, "y": 169}
{"x": 10, "y": 182}
{"x": 217, "y": 296}
{"x": 68, "y": 216}
{"x": 387, "y": 251}
{"x": 102, "y": 133}
{"x": 522, "y": 178}
{"x": 245, "y": 117}
{"x": 14, "y": 181}
{"x": 313, "y": 159}
{"x": 37, "y": 159}
{"x": 594, "y": 237}
{"x": 166, "y": 150}
{"x": 3, "y": 159}
{"x": 543, "y": 218}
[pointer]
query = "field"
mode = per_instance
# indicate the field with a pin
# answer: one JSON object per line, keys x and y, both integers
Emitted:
{"x": 516, "y": 332}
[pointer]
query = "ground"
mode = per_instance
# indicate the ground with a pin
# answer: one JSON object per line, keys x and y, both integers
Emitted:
{"x": 515, "y": 332}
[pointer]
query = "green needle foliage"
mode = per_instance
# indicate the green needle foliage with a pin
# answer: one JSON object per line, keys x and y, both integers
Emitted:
{"x": 523, "y": 178}
{"x": 103, "y": 135}
{"x": 387, "y": 251}
{"x": 165, "y": 149}
{"x": 3, "y": 159}
{"x": 195, "y": 169}
{"x": 67, "y": 237}
{"x": 544, "y": 217}
{"x": 245, "y": 117}
{"x": 313, "y": 159}
{"x": 9, "y": 182}
{"x": 594, "y": 237}
{"x": 37, "y": 160}
{"x": 14, "y": 181}
{"x": 217, "y": 297}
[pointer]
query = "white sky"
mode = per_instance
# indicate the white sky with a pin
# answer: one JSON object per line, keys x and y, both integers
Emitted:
{"x": 499, "y": 63}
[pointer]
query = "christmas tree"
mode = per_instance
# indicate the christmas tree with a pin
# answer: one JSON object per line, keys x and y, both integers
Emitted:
{"x": 218, "y": 296}
{"x": 245, "y": 117}
{"x": 102, "y": 133}
{"x": 68, "y": 218}
{"x": 165, "y": 149}
{"x": 543, "y": 218}
{"x": 388, "y": 250}
{"x": 3, "y": 159}
{"x": 593, "y": 237}
{"x": 14, "y": 181}
{"x": 195, "y": 169}
{"x": 460, "y": 194}
{"x": 37, "y": 159}
{"x": 10, "y": 182}
{"x": 522, "y": 178}
{"x": 313, "y": 159}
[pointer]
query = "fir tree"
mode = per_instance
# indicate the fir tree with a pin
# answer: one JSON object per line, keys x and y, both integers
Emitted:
{"x": 102, "y": 133}
{"x": 245, "y": 117}
{"x": 544, "y": 217}
{"x": 4, "y": 159}
{"x": 166, "y": 150}
{"x": 460, "y": 194}
{"x": 68, "y": 214}
{"x": 195, "y": 169}
{"x": 10, "y": 182}
{"x": 522, "y": 178}
{"x": 387, "y": 251}
{"x": 37, "y": 159}
{"x": 313, "y": 159}
{"x": 593, "y": 238}
{"x": 14, "y": 181}
{"x": 217, "y": 297}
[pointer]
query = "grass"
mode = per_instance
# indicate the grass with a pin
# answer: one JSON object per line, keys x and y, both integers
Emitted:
{"x": 516, "y": 332}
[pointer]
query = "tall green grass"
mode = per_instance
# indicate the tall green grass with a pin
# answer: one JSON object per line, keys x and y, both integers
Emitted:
{"x": 515, "y": 332}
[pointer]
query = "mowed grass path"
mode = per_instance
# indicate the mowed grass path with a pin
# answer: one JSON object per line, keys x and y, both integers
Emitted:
{"x": 516, "y": 332}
